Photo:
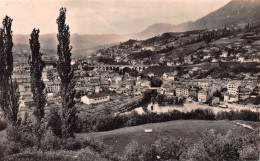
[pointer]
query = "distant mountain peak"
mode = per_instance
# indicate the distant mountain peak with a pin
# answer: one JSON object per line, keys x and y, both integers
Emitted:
{"x": 234, "y": 12}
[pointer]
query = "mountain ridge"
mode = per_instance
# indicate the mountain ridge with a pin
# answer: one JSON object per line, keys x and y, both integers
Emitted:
{"x": 239, "y": 12}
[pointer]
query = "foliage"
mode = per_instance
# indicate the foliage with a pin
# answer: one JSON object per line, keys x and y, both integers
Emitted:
{"x": 143, "y": 54}
{"x": 214, "y": 146}
{"x": 253, "y": 100}
{"x": 40, "y": 156}
{"x": 37, "y": 85}
{"x": 156, "y": 82}
{"x": 67, "y": 91}
{"x": 12, "y": 148}
{"x": 106, "y": 60}
{"x": 9, "y": 90}
{"x": 95, "y": 144}
{"x": 158, "y": 70}
{"x": 134, "y": 152}
{"x": 245, "y": 115}
{"x": 131, "y": 72}
{"x": 54, "y": 121}
{"x": 3, "y": 125}
{"x": 170, "y": 148}
{"x": 50, "y": 141}
{"x": 22, "y": 134}
{"x": 230, "y": 70}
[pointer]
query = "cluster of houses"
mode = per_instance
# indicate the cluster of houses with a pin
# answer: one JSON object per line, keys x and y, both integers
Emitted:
{"x": 94, "y": 85}
{"x": 204, "y": 90}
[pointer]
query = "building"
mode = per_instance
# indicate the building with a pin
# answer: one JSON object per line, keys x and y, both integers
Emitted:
{"x": 244, "y": 93}
{"x": 182, "y": 91}
{"x": 150, "y": 74}
{"x": 144, "y": 83}
{"x": 188, "y": 59}
{"x": 52, "y": 87}
{"x": 230, "y": 98}
{"x": 204, "y": 83}
{"x": 95, "y": 98}
{"x": 168, "y": 76}
{"x": 232, "y": 87}
{"x": 193, "y": 92}
{"x": 151, "y": 48}
{"x": 224, "y": 54}
{"x": 203, "y": 96}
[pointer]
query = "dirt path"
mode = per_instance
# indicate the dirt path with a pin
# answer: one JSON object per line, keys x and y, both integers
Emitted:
{"x": 244, "y": 125}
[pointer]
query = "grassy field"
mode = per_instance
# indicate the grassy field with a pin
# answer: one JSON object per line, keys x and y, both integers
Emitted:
{"x": 189, "y": 129}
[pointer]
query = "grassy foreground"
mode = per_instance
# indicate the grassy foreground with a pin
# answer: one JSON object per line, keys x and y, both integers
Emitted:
{"x": 189, "y": 129}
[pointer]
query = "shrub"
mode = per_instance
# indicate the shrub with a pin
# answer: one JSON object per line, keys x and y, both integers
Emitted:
{"x": 170, "y": 148}
{"x": 3, "y": 125}
{"x": 12, "y": 148}
{"x": 39, "y": 156}
{"x": 72, "y": 144}
{"x": 94, "y": 143}
{"x": 148, "y": 153}
{"x": 215, "y": 147}
{"x": 248, "y": 152}
{"x": 132, "y": 151}
{"x": 248, "y": 115}
{"x": 87, "y": 154}
{"x": 245, "y": 115}
{"x": 22, "y": 134}
{"x": 50, "y": 141}
{"x": 2, "y": 150}
{"x": 54, "y": 121}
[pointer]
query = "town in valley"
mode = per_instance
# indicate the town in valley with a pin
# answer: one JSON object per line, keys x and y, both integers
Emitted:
{"x": 98, "y": 86}
{"x": 217, "y": 69}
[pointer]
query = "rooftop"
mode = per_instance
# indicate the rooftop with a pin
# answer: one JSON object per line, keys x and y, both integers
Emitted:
{"x": 97, "y": 95}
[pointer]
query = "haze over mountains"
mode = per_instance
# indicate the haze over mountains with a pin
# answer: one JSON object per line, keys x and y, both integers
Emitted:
{"x": 237, "y": 12}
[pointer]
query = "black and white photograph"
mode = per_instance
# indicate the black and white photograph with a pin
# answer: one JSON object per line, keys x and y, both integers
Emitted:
{"x": 129, "y": 80}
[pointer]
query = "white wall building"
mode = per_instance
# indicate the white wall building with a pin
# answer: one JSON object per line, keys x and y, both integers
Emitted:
{"x": 232, "y": 87}
{"x": 203, "y": 96}
{"x": 95, "y": 98}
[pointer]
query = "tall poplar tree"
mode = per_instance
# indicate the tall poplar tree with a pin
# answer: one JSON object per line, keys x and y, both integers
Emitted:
{"x": 37, "y": 85}
{"x": 9, "y": 89}
{"x": 65, "y": 71}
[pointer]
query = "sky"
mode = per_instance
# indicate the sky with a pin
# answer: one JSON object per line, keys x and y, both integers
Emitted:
{"x": 103, "y": 16}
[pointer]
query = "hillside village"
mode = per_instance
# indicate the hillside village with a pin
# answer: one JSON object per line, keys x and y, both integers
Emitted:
{"x": 213, "y": 67}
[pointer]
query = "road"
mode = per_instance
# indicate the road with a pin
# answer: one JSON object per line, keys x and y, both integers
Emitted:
{"x": 186, "y": 107}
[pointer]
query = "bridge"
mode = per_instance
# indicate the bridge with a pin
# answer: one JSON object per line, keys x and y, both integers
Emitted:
{"x": 139, "y": 68}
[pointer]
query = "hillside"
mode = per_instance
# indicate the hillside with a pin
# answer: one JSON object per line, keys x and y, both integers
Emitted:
{"x": 235, "y": 12}
{"x": 159, "y": 28}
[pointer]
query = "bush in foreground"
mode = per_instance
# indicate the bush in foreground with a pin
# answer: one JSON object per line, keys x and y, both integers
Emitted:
{"x": 3, "y": 125}
{"x": 135, "y": 152}
{"x": 171, "y": 148}
{"x": 230, "y": 146}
